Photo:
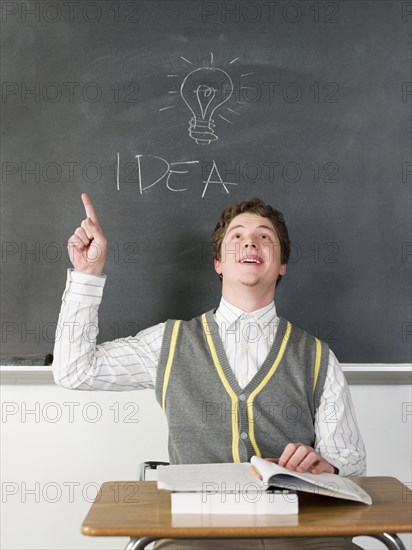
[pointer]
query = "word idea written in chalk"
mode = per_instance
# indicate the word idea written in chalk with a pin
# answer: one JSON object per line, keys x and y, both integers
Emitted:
{"x": 150, "y": 170}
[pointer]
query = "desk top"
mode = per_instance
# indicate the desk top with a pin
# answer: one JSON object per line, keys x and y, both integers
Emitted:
{"x": 138, "y": 508}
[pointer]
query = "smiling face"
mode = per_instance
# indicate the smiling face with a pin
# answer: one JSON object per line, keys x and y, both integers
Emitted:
{"x": 250, "y": 257}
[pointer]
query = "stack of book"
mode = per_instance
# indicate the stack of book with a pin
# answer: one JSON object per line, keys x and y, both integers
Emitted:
{"x": 258, "y": 487}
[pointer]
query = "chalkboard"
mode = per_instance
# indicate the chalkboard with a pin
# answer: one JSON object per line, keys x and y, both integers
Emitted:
{"x": 304, "y": 104}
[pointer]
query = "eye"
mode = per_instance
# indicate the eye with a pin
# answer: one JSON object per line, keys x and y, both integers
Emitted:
{"x": 237, "y": 236}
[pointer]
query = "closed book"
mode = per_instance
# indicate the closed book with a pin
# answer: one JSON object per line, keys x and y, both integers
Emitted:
{"x": 265, "y": 501}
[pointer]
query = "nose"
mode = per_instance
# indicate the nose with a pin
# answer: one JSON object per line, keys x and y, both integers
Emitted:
{"x": 251, "y": 244}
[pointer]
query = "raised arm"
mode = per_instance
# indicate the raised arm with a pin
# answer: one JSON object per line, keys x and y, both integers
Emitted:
{"x": 78, "y": 363}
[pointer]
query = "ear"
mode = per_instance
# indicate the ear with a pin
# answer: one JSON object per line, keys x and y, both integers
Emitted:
{"x": 218, "y": 268}
{"x": 282, "y": 270}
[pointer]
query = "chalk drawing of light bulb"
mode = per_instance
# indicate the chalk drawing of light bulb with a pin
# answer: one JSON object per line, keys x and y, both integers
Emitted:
{"x": 204, "y": 90}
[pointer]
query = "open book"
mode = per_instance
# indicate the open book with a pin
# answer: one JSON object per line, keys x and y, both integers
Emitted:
{"x": 232, "y": 487}
{"x": 331, "y": 485}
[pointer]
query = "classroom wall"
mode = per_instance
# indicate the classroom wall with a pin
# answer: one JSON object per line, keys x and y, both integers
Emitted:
{"x": 59, "y": 445}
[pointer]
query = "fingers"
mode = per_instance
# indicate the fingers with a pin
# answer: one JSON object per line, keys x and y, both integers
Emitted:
{"x": 79, "y": 240}
{"x": 76, "y": 242}
{"x": 89, "y": 230}
{"x": 303, "y": 458}
{"x": 298, "y": 457}
{"x": 87, "y": 247}
{"x": 322, "y": 466}
{"x": 311, "y": 459}
{"x": 85, "y": 239}
{"x": 287, "y": 454}
{"x": 82, "y": 236}
{"x": 89, "y": 208}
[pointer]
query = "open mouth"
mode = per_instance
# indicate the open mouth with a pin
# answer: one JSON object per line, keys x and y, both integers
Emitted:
{"x": 251, "y": 261}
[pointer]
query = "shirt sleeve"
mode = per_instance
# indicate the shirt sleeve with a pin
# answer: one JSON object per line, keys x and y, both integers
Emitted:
{"x": 78, "y": 363}
{"x": 338, "y": 438}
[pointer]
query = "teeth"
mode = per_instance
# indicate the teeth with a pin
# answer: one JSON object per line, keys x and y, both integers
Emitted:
{"x": 250, "y": 261}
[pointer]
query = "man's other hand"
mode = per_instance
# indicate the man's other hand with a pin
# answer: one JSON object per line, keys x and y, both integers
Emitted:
{"x": 302, "y": 458}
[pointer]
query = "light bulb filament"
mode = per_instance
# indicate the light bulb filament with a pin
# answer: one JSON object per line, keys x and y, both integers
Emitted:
{"x": 205, "y": 95}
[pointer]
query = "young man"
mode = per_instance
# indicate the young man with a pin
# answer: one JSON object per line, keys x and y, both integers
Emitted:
{"x": 234, "y": 382}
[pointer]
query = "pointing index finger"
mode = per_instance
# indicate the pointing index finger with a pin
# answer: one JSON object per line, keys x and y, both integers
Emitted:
{"x": 89, "y": 208}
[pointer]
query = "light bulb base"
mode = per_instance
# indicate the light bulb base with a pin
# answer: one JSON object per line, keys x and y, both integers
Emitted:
{"x": 202, "y": 131}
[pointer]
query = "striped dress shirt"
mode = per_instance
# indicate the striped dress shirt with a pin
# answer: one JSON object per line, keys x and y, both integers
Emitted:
{"x": 131, "y": 363}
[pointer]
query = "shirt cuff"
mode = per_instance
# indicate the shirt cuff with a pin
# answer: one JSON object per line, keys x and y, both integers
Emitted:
{"x": 347, "y": 469}
{"x": 83, "y": 287}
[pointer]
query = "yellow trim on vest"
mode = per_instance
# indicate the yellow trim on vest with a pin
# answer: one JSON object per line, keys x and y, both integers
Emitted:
{"x": 317, "y": 363}
{"x": 251, "y": 397}
{"x": 233, "y": 396}
{"x": 170, "y": 361}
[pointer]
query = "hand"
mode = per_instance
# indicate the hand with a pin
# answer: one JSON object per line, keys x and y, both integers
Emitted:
{"x": 87, "y": 247}
{"x": 302, "y": 458}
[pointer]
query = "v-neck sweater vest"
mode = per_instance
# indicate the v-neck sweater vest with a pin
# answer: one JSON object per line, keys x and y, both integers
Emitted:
{"x": 212, "y": 419}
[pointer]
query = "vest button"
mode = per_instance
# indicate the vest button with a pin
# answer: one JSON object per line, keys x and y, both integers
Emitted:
{"x": 242, "y": 397}
{"x": 244, "y": 435}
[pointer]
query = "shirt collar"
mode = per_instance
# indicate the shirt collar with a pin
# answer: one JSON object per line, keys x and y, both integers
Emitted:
{"x": 229, "y": 314}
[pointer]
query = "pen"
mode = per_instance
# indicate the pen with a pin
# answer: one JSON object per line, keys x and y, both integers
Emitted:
{"x": 256, "y": 471}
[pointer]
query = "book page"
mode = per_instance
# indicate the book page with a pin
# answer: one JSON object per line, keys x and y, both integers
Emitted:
{"x": 217, "y": 478}
{"x": 331, "y": 485}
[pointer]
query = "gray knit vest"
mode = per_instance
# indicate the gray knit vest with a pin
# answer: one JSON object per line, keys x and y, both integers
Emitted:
{"x": 212, "y": 419}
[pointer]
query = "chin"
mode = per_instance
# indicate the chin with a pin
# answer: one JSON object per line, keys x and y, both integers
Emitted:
{"x": 249, "y": 284}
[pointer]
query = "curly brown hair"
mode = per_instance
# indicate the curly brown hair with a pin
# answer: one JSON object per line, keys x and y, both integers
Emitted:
{"x": 252, "y": 206}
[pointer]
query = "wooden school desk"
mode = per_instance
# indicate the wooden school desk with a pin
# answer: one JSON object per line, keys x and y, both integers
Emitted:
{"x": 137, "y": 509}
